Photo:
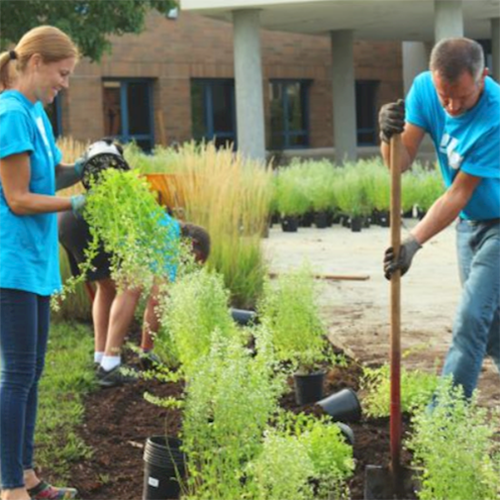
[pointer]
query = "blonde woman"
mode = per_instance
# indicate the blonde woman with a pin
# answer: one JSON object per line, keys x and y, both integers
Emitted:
{"x": 31, "y": 76}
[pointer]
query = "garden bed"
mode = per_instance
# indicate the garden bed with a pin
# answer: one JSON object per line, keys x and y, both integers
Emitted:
{"x": 118, "y": 421}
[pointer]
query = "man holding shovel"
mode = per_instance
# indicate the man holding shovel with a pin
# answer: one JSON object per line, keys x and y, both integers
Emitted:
{"x": 458, "y": 105}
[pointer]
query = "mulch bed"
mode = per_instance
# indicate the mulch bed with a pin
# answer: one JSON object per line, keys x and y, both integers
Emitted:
{"x": 119, "y": 420}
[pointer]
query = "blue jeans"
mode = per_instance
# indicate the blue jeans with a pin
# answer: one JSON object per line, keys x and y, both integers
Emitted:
{"x": 24, "y": 326}
{"x": 476, "y": 330}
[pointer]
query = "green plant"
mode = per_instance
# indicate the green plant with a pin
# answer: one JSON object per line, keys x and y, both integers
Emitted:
{"x": 124, "y": 216}
{"x": 230, "y": 397}
{"x": 453, "y": 448}
{"x": 67, "y": 379}
{"x": 350, "y": 192}
{"x": 417, "y": 388}
{"x": 191, "y": 309}
{"x": 282, "y": 470}
{"x": 290, "y": 196}
{"x": 231, "y": 198}
{"x": 288, "y": 308}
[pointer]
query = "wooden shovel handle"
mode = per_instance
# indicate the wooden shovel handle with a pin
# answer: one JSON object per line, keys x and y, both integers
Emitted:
{"x": 395, "y": 355}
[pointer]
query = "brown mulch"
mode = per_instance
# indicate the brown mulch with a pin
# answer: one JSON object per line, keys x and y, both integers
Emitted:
{"x": 119, "y": 420}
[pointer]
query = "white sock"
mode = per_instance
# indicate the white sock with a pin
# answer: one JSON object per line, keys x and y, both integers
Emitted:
{"x": 110, "y": 362}
{"x": 98, "y": 356}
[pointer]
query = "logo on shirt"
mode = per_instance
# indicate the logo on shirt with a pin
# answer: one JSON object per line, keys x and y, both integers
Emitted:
{"x": 448, "y": 147}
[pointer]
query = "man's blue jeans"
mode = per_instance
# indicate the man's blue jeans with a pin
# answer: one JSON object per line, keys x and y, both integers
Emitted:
{"x": 24, "y": 326}
{"x": 476, "y": 331}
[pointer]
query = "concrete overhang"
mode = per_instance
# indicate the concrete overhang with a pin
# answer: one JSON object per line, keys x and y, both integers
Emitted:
{"x": 405, "y": 20}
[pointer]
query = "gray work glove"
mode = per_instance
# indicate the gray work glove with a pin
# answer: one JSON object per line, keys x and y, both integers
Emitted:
{"x": 77, "y": 203}
{"x": 409, "y": 247}
{"x": 391, "y": 119}
{"x": 79, "y": 163}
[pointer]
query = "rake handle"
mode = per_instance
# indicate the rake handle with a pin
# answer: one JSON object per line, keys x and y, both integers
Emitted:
{"x": 395, "y": 338}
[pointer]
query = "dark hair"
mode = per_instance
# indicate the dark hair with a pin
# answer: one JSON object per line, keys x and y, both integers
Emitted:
{"x": 452, "y": 56}
{"x": 200, "y": 238}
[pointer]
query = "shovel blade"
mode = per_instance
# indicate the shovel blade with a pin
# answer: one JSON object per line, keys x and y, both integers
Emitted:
{"x": 381, "y": 484}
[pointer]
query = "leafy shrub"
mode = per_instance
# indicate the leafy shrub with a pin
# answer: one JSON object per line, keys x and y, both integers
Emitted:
{"x": 288, "y": 309}
{"x": 191, "y": 309}
{"x": 453, "y": 448}
{"x": 417, "y": 388}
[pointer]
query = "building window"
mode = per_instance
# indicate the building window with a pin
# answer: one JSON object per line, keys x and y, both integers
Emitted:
{"x": 366, "y": 112}
{"x": 54, "y": 112}
{"x": 128, "y": 111}
{"x": 289, "y": 102}
{"x": 213, "y": 111}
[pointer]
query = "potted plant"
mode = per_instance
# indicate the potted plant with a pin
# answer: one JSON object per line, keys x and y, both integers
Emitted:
{"x": 288, "y": 309}
{"x": 351, "y": 196}
{"x": 291, "y": 199}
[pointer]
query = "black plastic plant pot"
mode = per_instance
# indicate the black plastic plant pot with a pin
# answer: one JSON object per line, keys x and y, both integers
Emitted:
{"x": 243, "y": 317}
{"x": 307, "y": 219}
{"x": 342, "y": 406}
{"x": 356, "y": 224}
{"x": 308, "y": 387}
{"x": 164, "y": 464}
{"x": 384, "y": 219}
{"x": 289, "y": 224}
{"x": 321, "y": 220}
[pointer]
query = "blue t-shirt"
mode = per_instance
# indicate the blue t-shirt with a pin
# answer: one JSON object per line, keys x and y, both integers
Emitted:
{"x": 469, "y": 142}
{"x": 29, "y": 249}
{"x": 171, "y": 251}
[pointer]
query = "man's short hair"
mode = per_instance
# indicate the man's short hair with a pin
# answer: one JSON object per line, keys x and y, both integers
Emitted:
{"x": 452, "y": 56}
{"x": 200, "y": 238}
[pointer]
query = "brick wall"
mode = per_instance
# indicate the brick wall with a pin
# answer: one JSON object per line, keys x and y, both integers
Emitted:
{"x": 172, "y": 52}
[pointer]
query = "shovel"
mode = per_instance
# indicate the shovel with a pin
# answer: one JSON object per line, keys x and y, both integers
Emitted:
{"x": 392, "y": 480}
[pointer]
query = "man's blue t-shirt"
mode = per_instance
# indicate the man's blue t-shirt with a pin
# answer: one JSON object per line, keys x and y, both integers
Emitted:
{"x": 469, "y": 142}
{"x": 29, "y": 249}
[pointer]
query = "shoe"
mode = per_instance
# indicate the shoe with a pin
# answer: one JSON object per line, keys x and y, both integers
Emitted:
{"x": 150, "y": 361}
{"x": 119, "y": 375}
{"x": 45, "y": 491}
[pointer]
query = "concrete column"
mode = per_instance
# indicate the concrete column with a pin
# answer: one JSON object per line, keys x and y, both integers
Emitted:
{"x": 495, "y": 48}
{"x": 248, "y": 81}
{"x": 448, "y": 19}
{"x": 344, "y": 96}
{"x": 415, "y": 61}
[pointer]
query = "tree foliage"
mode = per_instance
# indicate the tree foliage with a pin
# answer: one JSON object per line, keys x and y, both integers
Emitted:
{"x": 88, "y": 23}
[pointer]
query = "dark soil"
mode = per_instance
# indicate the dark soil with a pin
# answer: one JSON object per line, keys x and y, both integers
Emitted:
{"x": 119, "y": 420}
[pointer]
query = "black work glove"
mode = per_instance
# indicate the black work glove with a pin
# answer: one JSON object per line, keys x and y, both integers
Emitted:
{"x": 409, "y": 247}
{"x": 391, "y": 119}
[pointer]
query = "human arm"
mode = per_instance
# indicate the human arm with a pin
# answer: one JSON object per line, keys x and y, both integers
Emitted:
{"x": 447, "y": 207}
{"x": 441, "y": 214}
{"x": 15, "y": 173}
{"x": 68, "y": 174}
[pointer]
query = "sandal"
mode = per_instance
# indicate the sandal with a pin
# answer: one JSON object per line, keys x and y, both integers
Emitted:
{"x": 45, "y": 491}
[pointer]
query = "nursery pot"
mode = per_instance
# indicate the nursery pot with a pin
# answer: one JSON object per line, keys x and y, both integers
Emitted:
{"x": 243, "y": 317}
{"x": 289, "y": 224}
{"x": 347, "y": 432}
{"x": 342, "y": 405}
{"x": 356, "y": 224}
{"x": 308, "y": 387}
{"x": 163, "y": 464}
{"x": 307, "y": 219}
{"x": 321, "y": 220}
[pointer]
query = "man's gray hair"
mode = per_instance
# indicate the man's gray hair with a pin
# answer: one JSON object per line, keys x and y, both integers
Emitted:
{"x": 452, "y": 56}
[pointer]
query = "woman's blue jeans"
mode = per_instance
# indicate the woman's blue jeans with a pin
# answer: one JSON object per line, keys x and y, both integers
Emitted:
{"x": 24, "y": 326}
{"x": 476, "y": 330}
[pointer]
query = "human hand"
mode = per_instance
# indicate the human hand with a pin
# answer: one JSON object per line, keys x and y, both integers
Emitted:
{"x": 391, "y": 119}
{"x": 409, "y": 247}
{"x": 79, "y": 163}
{"x": 77, "y": 203}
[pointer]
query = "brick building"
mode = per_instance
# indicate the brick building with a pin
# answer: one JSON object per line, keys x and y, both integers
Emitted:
{"x": 175, "y": 81}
